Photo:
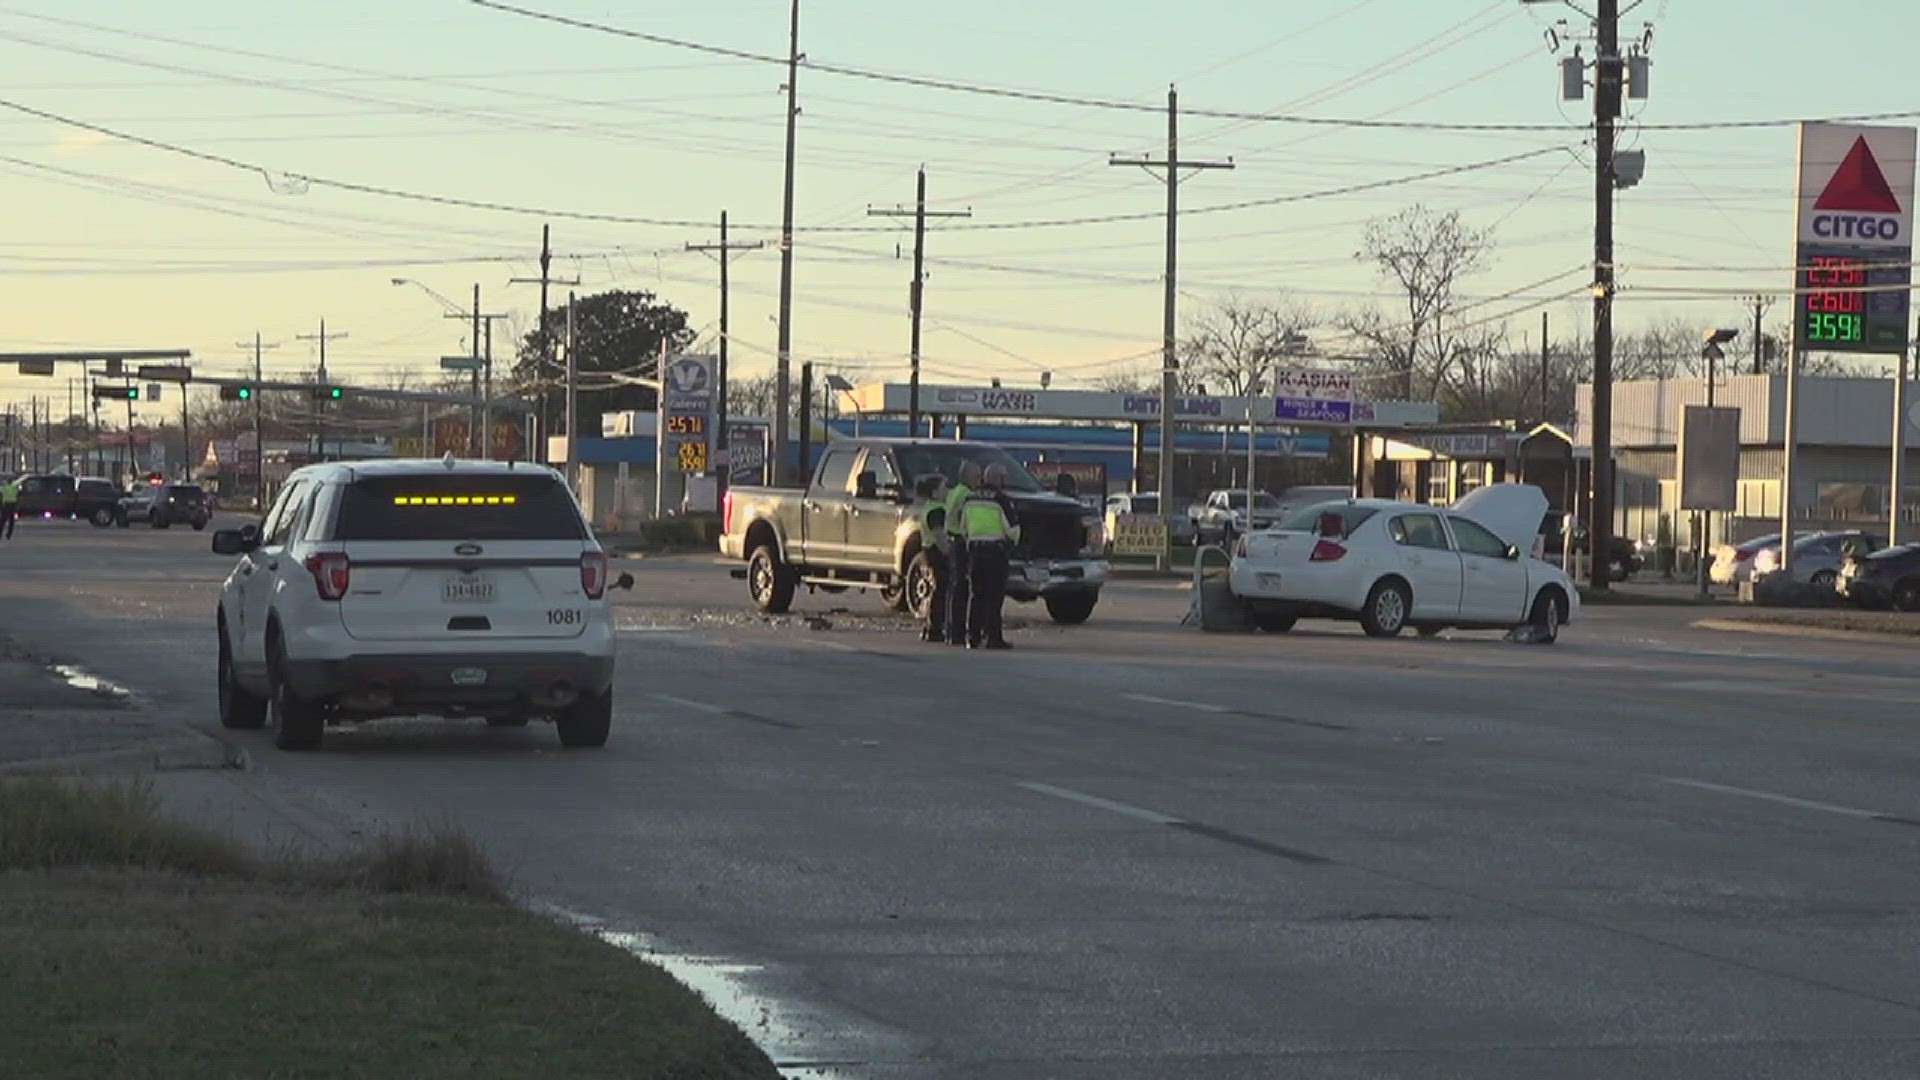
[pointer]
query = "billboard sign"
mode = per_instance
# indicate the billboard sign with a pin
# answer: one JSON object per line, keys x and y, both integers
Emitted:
{"x": 1089, "y": 479}
{"x": 1313, "y": 396}
{"x": 1709, "y": 462}
{"x": 1854, "y": 238}
{"x": 1139, "y": 534}
{"x": 747, "y": 442}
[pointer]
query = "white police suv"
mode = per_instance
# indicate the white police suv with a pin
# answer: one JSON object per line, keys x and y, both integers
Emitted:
{"x": 403, "y": 588}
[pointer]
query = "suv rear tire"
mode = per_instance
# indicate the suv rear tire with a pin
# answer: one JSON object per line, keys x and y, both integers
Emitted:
{"x": 586, "y": 722}
{"x": 299, "y": 724}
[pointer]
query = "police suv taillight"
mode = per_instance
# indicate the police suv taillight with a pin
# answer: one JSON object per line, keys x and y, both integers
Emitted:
{"x": 331, "y": 573}
{"x": 593, "y": 574}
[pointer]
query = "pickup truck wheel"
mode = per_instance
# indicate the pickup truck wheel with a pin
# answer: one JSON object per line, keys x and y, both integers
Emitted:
{"x": 586, "y": 722}
{"x": 922, "y": 582}
{"x": 1274, "y": 624}
{"x": 769, "y": 581}
{"x": 200, "y": 526}
{"x": 101, "y": 518}
{"x": 1073, "y": 608}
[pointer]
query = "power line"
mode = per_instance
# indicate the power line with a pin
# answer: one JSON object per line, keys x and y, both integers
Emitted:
{"x": 1083, "y": 101}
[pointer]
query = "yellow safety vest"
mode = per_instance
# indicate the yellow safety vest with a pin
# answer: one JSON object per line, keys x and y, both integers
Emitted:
{"x": 985, "y": 520}
{"x": 9, "y": 493}
{"x": 933, "y": 525}
{"x": 957, "y": 497}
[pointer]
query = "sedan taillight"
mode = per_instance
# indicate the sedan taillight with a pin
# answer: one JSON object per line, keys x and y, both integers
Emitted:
{"x": 1327, "y": 551}
{"x": 331, "y": 573}
{"x": 593, "y": 574}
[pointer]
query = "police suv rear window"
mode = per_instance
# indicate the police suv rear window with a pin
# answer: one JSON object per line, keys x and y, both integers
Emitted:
{"x": 458, "y": 507}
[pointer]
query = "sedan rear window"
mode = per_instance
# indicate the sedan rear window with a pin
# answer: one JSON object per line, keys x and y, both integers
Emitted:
{"x": 1307, "y": 519}
{"x": 458, "y": 507}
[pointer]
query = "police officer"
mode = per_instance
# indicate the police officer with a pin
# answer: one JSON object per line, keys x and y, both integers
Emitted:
{"x": 991, "y": 534}
{"x": 9, "y": 506}
{"x": 932, "y": 492}
{"x": 959, "y": 569}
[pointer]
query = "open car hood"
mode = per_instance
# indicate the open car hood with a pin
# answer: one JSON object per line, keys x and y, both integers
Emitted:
{"x": 1512, "y": 512}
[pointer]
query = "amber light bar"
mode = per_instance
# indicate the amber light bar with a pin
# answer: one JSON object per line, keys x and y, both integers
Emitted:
{"x": 454, "y": 500}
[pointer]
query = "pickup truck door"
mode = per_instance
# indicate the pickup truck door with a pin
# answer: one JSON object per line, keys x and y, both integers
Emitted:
{"x": 874, "y": 521}
{"x": 823, "y": 509}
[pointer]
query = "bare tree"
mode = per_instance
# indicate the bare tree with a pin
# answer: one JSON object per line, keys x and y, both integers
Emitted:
{"x": 1425, "y": 255}
{"x": 1237, "y": 342}
{"x": 1128, "y": 381}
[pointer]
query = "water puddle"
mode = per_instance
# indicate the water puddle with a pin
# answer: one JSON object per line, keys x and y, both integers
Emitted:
{"x": 804, "y": 1044}
{"x": 88, "y": 682}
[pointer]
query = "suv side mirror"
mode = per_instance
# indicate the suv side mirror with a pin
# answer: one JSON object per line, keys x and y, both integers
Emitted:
{"x": 236, "y": 541}
{"x": 866, "y": 486}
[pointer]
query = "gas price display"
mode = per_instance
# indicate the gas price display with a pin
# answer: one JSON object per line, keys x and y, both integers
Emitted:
{"x": 1852, "y": 301}
{"x": 686, "y": 424}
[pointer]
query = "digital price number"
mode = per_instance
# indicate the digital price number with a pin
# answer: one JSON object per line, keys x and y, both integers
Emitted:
{"x": 686, "y": 424}
{"x": 693, "y": 457}
{"x": 1836, "y": 306}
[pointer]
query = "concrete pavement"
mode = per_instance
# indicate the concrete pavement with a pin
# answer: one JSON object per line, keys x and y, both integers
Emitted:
{"x": 1131, "y": 850}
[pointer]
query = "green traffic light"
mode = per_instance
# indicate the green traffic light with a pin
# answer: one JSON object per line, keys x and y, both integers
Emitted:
{"x": 246, "y": 393}
{"x": 335, "y": 392}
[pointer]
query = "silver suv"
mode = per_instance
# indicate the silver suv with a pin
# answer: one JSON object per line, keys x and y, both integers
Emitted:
{"x": 402, "y": 588}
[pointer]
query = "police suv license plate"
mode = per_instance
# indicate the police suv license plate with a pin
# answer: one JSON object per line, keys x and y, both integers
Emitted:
{"x": 468, "y": 589}
{"x": 1037, "y": 575}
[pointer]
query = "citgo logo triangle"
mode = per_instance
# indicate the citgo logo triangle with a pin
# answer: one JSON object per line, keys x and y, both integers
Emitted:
{"x": 1859, "y": 185}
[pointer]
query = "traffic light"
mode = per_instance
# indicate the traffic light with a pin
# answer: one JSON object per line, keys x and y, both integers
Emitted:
{"x": 117, "y": 393}
{"x": 329, "y": 393}
{"x": 236, "y": 393}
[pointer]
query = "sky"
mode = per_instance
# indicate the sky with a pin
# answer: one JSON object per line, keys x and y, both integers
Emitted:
{"x": 111, "y": 243}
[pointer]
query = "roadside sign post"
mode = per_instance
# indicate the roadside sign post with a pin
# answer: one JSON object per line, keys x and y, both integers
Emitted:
{"x": 684, "y": 445}
{"x": 1852, "y": 264}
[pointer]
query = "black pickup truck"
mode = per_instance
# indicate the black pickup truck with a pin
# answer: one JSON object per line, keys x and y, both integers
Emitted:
{"x": 62, "y": 496}
{"x": 856, "y": 525}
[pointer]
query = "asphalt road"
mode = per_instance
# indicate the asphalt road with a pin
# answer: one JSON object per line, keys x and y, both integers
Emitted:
{"x": 1133, "y": 850}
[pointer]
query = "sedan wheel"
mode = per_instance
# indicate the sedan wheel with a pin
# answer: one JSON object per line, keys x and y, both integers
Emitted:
{"x": 1386, "y": 612}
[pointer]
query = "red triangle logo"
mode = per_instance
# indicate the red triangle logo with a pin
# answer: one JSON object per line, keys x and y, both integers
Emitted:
{"x": 1859, "y": 185}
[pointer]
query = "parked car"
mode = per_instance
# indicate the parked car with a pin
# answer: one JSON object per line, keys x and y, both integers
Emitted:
{"x": 165, "y": 505}
{"x": 1817, "y": 559}
{"x": 1733, "y": 563}
{"x": 1883, "y": 579}
{"x": 1626, "y": 559}
{"x": 57, "y": 495}
{"x": 405, "y": 588}
{"x": 856, "y": 525}
{"x": 1392, "y": 565}
{"x": 1224, "y": 515}
{"x": 1145, "y": 502}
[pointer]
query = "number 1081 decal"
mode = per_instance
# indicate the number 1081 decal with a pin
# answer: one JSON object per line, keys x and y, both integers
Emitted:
{"x": 564, "y": 616}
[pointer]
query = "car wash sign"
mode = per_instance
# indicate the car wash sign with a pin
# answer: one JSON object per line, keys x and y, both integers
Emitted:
{"x": 1851, "y": 270}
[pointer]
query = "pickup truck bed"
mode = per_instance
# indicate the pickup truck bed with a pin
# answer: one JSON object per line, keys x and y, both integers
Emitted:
{"x": 856, "y": 525}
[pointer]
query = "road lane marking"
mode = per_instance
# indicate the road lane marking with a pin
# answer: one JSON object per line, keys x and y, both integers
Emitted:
{"x": 1222, "y": 710}
{"x": 1195, "y": 828}
{"x": 722, "y": 710}
{"x": 1789, "y": 800}
{"x": 1197, "y": 706}
{"x": 1136, "y": 812}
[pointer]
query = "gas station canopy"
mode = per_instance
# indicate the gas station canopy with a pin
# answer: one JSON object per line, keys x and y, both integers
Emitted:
{"x": 878, "y": 399}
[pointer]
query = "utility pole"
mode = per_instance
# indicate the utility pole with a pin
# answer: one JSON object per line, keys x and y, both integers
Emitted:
{"x": 1760, "y": 306}
{"x": 319, "y": 400}
{"x": 724, "y": 250}
{"x": 480, "y": 348}
{"x": 919, "y": 213}
{"x": 1606, "y": 109}
{"x": 545, "y": 280}
{"x": 129, "y": 437}
{"x": 1546, "y": 412}
{"x": 1173, "y": 168}
{"x": 783, "y": 357}
{"x": 573, "y": 411}
{"x": 186, "y": 437}
{"x": 259, "y": 441}
{"x": 66, "y": 428}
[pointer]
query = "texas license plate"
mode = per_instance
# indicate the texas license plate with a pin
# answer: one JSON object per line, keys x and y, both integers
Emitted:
{"x": 1269, "y": 581}
{"x": 467, "y": 589}
{"x": 1037, "y": 575}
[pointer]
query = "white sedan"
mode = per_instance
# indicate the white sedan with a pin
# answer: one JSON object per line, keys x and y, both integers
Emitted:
{"x": 1392, "y": 565}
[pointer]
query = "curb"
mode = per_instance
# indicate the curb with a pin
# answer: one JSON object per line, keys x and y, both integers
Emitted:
{"x": 206, "y": 752}
{"x": 1748, "y": 626}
